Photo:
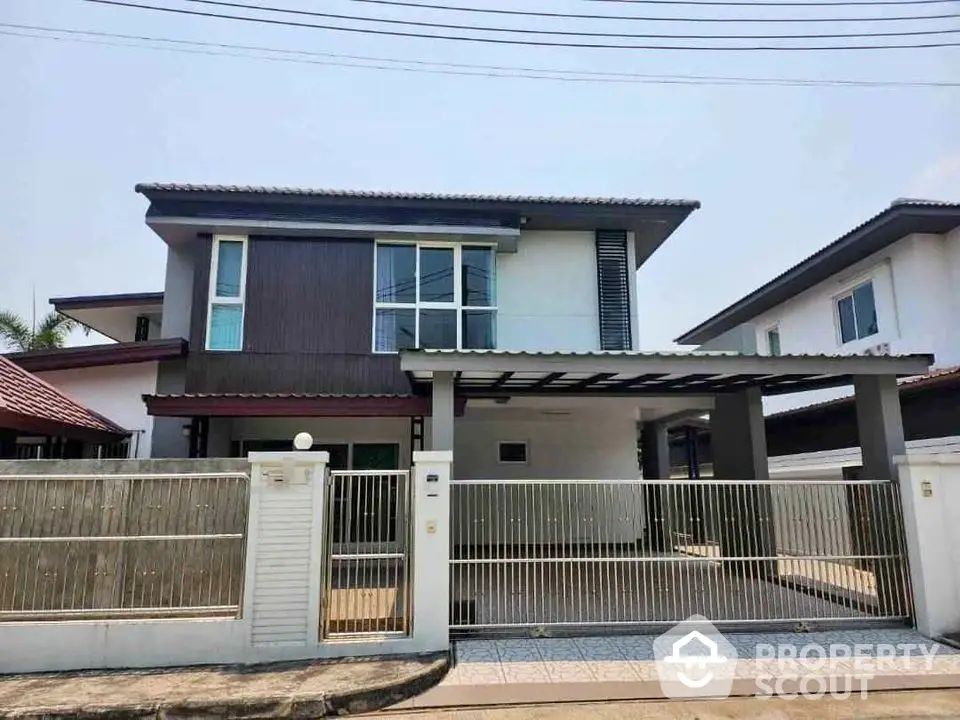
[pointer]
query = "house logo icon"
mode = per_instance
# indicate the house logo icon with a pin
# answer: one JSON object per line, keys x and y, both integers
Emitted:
{"x": 695, "y": 660}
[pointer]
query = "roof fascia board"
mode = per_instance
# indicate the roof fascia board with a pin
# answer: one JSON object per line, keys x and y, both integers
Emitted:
{"x": 674, "y": 364}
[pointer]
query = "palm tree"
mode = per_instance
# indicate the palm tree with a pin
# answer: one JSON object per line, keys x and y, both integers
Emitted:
{"x": 52, "y": 332}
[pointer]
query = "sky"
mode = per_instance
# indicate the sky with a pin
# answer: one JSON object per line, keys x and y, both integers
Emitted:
{"x": 780, "y": 171}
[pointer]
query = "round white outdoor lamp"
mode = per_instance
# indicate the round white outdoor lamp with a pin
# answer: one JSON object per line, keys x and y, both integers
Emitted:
{"x": 303, "y": 441}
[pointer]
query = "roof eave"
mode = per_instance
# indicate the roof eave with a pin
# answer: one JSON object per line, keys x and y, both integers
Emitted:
{"x": 752, "y": 305}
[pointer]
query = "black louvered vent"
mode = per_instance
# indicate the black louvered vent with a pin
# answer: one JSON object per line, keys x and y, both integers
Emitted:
{"x": 613, "y": 283}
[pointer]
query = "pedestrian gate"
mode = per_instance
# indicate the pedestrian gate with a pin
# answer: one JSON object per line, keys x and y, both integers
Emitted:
{"x": 366, "y": 559}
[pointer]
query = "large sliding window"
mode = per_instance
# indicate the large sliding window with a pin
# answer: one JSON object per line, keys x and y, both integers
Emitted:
{"x": 228, "y": 280}
{"x": 431, "y": 295}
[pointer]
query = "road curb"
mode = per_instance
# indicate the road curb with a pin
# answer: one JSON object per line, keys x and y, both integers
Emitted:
{"x": 287, "y": 707}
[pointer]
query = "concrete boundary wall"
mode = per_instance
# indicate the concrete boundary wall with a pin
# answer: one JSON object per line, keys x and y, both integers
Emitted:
{"x": 272, "y": 627}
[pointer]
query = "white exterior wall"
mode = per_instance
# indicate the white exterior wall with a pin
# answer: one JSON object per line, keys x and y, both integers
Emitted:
{"x": 597, "y": 444}
{"x": 917, "y": 298}
{"x": 547, "y": 293}
{"x": 829, "y": 464}
{"x": 114, "y": 391}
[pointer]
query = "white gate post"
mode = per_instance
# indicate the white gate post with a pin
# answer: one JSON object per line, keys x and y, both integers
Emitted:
{"x": 284, "y": 569}
{"x": 431, "y": 549}
{"x": 930, "y": 491}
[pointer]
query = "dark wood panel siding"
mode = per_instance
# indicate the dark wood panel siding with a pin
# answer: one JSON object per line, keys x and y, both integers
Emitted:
{"x": 307, "y": 322}
{"x": 295, "y": 373}
{"x": 309, "y": 296}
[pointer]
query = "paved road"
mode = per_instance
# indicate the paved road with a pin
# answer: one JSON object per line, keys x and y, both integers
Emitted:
{"x": 894, "y": 705}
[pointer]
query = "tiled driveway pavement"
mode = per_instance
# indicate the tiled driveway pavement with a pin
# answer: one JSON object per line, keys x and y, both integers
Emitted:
{"x": 622, "y": 667}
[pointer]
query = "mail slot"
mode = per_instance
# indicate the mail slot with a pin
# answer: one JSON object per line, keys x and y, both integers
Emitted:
{"x": 433, "y": 477}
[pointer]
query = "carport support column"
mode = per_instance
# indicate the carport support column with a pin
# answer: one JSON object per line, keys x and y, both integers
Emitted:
{"x": 441, "y": 427}
{"x": 880, "y": 427}
{"x": 655, "y": 451}
{"x": 739, "y": 445}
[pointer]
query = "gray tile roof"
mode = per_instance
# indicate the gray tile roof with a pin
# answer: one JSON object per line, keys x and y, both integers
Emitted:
{"x": 147, "y": 188}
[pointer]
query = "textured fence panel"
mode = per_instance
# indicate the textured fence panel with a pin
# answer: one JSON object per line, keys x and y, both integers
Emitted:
{"x": 122, "y": 545}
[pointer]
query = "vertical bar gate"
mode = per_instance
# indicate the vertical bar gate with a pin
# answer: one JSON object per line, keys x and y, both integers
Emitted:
{"x": 576, "y": 555}
{"x": 366, "y": 559}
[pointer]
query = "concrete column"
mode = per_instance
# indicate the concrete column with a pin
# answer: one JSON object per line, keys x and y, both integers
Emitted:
{"x": 880, "y": 428}
{"x": 879, "y": 425}
{"x": 655, "y": 451}
{"x": 431, "y": 547}
{"x": 744, "y": 513}
{"x": 441, "y": 427}
{"x": 738, "y": 436}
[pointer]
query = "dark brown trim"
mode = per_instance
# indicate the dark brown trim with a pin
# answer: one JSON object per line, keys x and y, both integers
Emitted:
{"x": 53, "y": 428}
{"x": 98, "y": 355}
{"x": 290, "y": 406}
{"x": 82, "y": 302}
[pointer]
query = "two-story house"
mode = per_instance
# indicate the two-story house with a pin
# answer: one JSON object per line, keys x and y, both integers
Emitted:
{"x": 501, "y": 333}
{"x": 297, "y": 303}
{"x": 503, "y": 328}
{"x": 890, "y": 285}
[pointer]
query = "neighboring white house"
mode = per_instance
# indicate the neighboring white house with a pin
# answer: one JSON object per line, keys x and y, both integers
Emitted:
{"x": 889, "y": 286}
{"x": 111, "y": 378}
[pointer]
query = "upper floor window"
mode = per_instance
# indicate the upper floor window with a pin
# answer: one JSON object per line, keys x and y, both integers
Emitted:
{"x": 432, "y": 295}
{"x": 228, "y": 279}
{"x": 773, "y": 340}
{"x": 857, "y": 313}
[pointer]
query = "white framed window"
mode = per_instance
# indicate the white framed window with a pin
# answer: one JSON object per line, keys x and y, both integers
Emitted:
{"x": 228, "y": 289}
{"x": 773, "y": 340}
{"x": 856, "y": 313}
{"x": 512, "y": 452}
{"x": 434, "y": 295}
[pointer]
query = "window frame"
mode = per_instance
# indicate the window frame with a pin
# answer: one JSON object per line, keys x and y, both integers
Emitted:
{"x": 848, "y": 292}
{"x": 526, "y": 452}
{"x": 214, "y": 299}
{"x": 775, "y": 328}
{"x": 417, "y": 305}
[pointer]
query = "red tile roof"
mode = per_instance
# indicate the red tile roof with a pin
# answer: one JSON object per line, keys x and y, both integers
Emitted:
{"x": 31, "y": 404}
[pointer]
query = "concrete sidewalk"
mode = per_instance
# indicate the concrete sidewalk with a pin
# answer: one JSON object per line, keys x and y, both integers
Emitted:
{"x": 904, "y": 705}
{"x": 277, "y": 690}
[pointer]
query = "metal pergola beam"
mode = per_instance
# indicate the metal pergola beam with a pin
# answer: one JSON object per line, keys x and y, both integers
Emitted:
{"x": 670, "y": 364}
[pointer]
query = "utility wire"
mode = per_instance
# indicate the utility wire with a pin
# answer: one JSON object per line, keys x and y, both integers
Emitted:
{"x": 775, "y": 3}
{"x": 526, "y": 43}
{"x": 571, "y": 33}
{"x": 588, "y": 16}
{"x": 444, "y": 68}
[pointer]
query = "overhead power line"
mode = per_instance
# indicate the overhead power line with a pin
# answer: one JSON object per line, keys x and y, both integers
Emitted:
{"x": 439, "y": 67}
{"x": 705, "y": 3}
{"x": 773, "y": 3}
{"x": 527, "y": 43}
{"x": 573, "y": 33}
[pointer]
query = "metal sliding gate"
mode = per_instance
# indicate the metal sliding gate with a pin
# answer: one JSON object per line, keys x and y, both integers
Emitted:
{"x": 366, "y": 558}
{"x": 578, "y": 555}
